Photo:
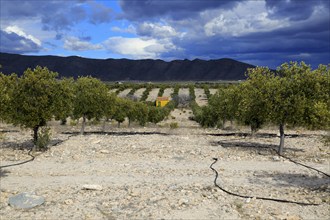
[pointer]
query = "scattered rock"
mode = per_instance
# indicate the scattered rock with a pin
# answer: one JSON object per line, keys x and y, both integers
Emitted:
{"x": 26, "y": 200}
{"x": 104, "y": 152}
{"x": 276, "y": 158}
{"x": 68, "y": 202}
{"x": 92, "y": 187}
{"x": 183, "y": 202}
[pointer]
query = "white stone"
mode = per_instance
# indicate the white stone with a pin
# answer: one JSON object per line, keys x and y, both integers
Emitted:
{"x": 92, "y": 187}
{"x": 104, "y": 151}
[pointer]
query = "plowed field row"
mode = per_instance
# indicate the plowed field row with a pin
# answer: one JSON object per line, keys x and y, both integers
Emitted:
{"x": 201, "y": 98}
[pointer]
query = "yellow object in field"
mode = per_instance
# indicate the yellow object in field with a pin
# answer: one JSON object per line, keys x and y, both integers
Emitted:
{"x": 162, "y": 101}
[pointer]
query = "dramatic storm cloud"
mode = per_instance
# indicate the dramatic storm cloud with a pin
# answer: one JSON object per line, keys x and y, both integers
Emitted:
{"x": 14, "y": 40}
{"x": 265, "y": 32}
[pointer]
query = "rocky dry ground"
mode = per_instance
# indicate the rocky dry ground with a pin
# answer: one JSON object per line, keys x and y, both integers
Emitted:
{"x": 159, "y": 173}
{"x": 201, "y": 98}
{"x": 153, "y": 95}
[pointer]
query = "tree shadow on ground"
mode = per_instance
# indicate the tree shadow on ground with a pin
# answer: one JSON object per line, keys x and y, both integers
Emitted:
{"x": 253, "y": 146}
{"x": 3, "y": 173}
{"x": 23, "y": 145}
{"x": 27, "y": 144}
{"x": 259, "y": 135}
{"x": 311, "y": 182}
{"x": 114, "y": 133}
{"x": 9, "y": 131}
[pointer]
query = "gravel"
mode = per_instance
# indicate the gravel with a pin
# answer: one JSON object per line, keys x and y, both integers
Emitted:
{"x": 156, "y": 172}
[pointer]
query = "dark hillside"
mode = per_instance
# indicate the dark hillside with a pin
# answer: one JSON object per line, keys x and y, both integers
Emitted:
{"x": 125, "y": 69}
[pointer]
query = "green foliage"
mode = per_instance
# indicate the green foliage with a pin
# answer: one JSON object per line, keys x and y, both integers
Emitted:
{"x": 222, "y": 106}
{"x": 299, "y": 96}
{"x": 91, "y": 99}
{"x": 207, "y": 91}
{"x": 120, "y": 111}
{"x": 175, "y": 91}
{"x": 145, "y": 93}
{"x": 161, "y": 90}
{"x": 174, "y": 125}
{"x": 44, "y": 137}
{"x": 156, "y": 114}
{"x": 131, "y": 110}
{"x": 7, "y": 87}
{"x": 64, "y": 105}
{"x": 192, "y": 92}
{"x": 142, "y": 113}
{"x": 34, "y": 99}
{"x": 73, "y": 122}
{"x": 294, "y": 95}
{"x": 254, "y": 106}
{"x": 110, "y": 105}
{"x": 133, "y": 89}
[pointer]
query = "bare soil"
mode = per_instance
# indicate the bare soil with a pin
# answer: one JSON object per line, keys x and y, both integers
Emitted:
{"x": 155, "y": 172}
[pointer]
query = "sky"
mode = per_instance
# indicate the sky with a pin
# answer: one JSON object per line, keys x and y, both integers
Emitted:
{"x": 259, "y": 32}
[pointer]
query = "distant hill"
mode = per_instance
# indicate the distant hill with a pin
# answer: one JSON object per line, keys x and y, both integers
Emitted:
{"x": 125, "y": 69}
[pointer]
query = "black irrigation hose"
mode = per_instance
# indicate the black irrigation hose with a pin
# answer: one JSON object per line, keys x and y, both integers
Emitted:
{"x": 246, "y": 197}
{"x": 312, "y": 168}
{"x": 33, "y": 157}
{"x": 293, "y": 161}
{"x": 16, "y": 164}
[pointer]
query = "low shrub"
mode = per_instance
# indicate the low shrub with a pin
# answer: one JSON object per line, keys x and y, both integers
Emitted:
{"x": 43, "y": 140}
{"x": 174, "y": 125}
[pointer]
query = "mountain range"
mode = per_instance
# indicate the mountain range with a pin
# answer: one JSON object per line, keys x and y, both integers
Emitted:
{"x": 125, "y": 69}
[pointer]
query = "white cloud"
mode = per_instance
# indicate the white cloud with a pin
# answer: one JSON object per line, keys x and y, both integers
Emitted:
{"x": 248, "y": 17}
{"x": 156, "y": 30}
{"x": 130, "y": 29}
{"x": 75, "y": 44}
{"x": 138, "y": 48}
{"x": 21, "y": 33}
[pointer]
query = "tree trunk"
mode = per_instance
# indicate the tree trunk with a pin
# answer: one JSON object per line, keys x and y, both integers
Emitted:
{"x": 82, "y": 131}
{"x": 129, "y": 122}
{"x": 253, "y": 131}
{"x": 118, "y": 124}
{"x": 35, "y": 138}
{"x": 223, "y": 124}
{"x": 103, "y": 126}
{"x": 280, "y": 148}
{"x": 35, "y": 134}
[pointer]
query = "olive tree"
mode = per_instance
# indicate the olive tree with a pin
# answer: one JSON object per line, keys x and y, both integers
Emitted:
{"x": 224, "y": 104}
{"x": 254, "y": 105}
{"x": 110, "y": 108}
{"x": 299, "y": 96}
{"x": 142, "y": 113}
{"x": 64, "y": 105}
{"x": 90, "y": 100}
{"x": 7, "y": 87}
{"x": 294, "y": 95}
{"x": 34, "y": 99}
{"x": 120, "y": 111}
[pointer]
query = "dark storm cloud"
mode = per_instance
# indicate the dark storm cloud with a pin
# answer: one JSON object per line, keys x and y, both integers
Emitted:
{"x": 303, "y": 41}
{"x": 176, "y": 9}
{"x": 99, "y": 13}
{"x": 56, "y": 15}
{"x": 294, "y": 9}
{"x": 63, "y": 19}
{"x": 13, "y": 43}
